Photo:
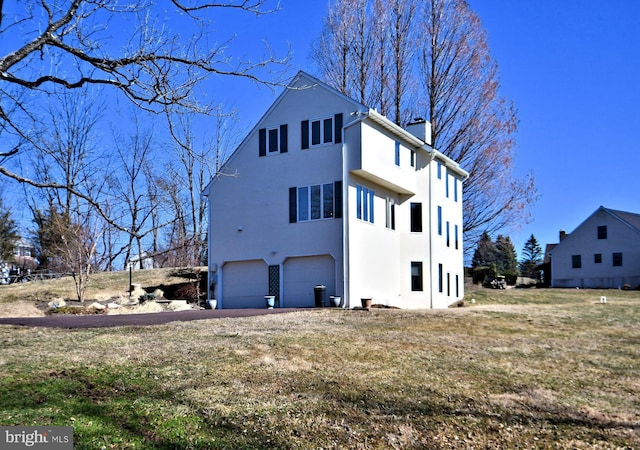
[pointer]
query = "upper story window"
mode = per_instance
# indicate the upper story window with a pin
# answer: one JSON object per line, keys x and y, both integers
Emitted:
{"x": 439, "y": 171}
{"x": 413, "y": 159}
{"x": 364, "y": 203}
{"x": 397, "y": 155}
{"x": 456, "y": 237}
{"x": 440, "y": 220}
{"x": 602, "y": 232}
{"x": 322, "y": 131}
{"x": 448, "y": 235}
{"x": 416, "y": 217}
{"x": 455, "y": 189}
{"x": 391, "y": 214}
{"x": 273, "y": 140}
{"x": 320, "y": 201}
{"x": 447, "y": 185}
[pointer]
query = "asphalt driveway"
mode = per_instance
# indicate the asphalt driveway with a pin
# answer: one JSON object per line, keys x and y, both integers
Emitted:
{"x": 121, "y": 320}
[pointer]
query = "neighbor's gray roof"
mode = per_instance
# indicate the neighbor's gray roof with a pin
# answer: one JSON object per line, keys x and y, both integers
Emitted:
{"x": 631, "y": 219}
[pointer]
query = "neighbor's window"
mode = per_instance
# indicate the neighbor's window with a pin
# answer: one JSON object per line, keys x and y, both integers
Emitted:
{"x": 416, "y": 276}
{"x": 617, "y": 259}
{"x": 576, "y": 261}
{"x": 416, "y": 217}
{"x": 602, "y": 232}
{"x": 597, "y": 258}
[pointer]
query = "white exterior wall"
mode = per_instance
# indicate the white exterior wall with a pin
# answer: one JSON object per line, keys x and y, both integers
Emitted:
{"x": 254, "y": 196}
{"x": 621, "y": 238}
{"x": 380, "y": 258}
{"x": 249, "y": 213}
{"x": 448, "y": 285}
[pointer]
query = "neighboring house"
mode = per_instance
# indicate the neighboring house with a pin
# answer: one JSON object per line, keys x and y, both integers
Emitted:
{"x": 325, "y": 191}
{"x": 24, "y": 261}
{"x": 603, "y": 252}
{"x": 141, "y": 261}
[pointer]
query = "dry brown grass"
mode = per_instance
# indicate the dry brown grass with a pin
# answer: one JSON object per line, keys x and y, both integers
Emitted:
{"x": 102, "y": 286}
{"x": 545, "y": 374}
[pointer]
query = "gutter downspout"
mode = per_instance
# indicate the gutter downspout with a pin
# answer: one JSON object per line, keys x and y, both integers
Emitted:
{"x": 345, "y": 226}
{"x": 431, "y": 284}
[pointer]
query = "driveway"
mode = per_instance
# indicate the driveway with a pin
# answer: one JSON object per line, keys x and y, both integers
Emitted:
{"x": 122, "y": 320}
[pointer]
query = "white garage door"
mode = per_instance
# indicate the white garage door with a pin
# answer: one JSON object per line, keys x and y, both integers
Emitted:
{"x": 244, "y": 284}
{"x": 300, "y": 276}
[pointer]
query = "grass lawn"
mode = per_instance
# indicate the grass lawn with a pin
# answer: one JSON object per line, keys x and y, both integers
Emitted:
{"x": 517, "y": 369}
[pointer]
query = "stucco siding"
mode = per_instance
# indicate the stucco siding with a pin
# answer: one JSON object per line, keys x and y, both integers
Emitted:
{"x": 264, "y": 220}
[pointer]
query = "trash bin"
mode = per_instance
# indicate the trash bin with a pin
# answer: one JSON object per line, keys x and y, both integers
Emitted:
{"x": 319, "y": 292}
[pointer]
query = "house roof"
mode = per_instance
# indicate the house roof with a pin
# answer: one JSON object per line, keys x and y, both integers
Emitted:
{"x": 631, "y": 220}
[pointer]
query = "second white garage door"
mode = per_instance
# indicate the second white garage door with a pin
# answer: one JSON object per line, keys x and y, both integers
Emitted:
{"x": 302, "y": 274}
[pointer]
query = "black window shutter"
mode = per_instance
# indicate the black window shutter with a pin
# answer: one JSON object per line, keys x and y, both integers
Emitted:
{"x": 284, "y": 144}
{"x": 338, "y": 128}
{"x": 262, "y": 137}
{"x": 337, "y": 199}
{"x": 293, "y": 205}
{"x": 304, "y": 132}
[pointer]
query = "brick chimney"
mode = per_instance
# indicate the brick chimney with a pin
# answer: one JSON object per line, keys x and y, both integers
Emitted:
{"x": 563, "y": 234}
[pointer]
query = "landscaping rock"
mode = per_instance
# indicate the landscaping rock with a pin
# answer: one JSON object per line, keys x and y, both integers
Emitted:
{"x": 57, "y": 303}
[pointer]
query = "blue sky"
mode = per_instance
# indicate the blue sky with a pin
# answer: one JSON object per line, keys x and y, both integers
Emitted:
{"x": 572, "y": 69}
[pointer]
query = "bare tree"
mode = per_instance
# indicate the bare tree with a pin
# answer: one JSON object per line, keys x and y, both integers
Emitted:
{"x": 128, "y": 187}
{"x": 67, "y": 246}
{"x": 402, "y": 43}
{"x": 333, "y": 50}
{"x": 65, "y": 150}
{"x": 432, "y": 60}
{"x": 471, "y": 123}
{"x": 71, "y": 45}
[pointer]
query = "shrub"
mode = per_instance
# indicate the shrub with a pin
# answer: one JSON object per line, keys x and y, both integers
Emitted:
{"x": 147, "y": 296}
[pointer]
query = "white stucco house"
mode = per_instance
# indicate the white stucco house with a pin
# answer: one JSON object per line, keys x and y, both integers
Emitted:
{"x": 325, "y": 191}
{"x": 602, "y": 252}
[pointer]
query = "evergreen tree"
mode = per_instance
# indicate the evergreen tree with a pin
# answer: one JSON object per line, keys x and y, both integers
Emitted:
{"x": 8, "y": 234}
{"x": 532, "y": 257}
{"x": 483, "y": 264}
{"x": 492, "y": 259}
{"x": 506, "y": 260}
